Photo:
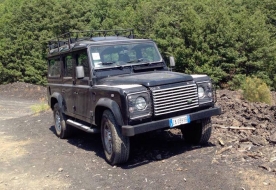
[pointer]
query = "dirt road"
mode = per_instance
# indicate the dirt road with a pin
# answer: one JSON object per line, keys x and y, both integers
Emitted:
{"x": 32, "y": 157}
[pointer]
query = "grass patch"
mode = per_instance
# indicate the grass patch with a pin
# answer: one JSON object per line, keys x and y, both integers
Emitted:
{"x": 37, "y": 108}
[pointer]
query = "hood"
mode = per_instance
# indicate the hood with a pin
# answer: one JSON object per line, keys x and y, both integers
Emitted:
{"x": 148, "y": 79}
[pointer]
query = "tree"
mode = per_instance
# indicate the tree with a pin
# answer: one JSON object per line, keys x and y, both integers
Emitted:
{"x": 223, "y": 38}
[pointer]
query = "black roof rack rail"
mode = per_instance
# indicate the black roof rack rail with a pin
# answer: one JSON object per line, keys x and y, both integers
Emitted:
{"x": 75, "y": 36}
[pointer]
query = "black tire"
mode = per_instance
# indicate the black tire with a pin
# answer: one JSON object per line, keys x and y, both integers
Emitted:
{"x": 198, "y": 133}
{"x": 116, "y": 146}
{"x": 62, "y": 129}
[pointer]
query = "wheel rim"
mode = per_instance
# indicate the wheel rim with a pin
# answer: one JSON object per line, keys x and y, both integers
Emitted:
{"x": 57, "y": 124}
{"x": 107, "y": 139}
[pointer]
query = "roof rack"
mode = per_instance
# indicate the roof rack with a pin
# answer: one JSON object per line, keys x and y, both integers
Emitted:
{"x": 64, "y": 41}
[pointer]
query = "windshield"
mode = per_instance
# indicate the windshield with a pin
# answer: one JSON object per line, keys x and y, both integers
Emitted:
{"x": 124, "y": 54}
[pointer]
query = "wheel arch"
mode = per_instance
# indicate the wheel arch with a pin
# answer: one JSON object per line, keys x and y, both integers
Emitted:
{"x": 56, "y": 98}
{"x": 103, "y": 104}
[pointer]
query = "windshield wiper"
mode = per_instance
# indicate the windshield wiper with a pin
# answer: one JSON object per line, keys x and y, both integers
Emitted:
{"x": 113, "y": 65}
{"x": 135, "y": 61}
{"x": 148, "y": 65}
{"x": 107, "y": 63}
{"x": 139, "y": 61}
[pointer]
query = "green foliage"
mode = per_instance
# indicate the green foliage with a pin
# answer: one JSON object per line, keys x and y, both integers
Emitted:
{"x": 255, "y": 90}
{"x": 225, "y": 39}
{"x": 237, "y": 82}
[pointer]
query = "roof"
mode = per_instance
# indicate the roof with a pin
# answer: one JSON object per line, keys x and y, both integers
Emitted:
{"x": 108, "y": 38}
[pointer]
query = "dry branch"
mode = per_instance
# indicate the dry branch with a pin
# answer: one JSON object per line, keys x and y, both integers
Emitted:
{"x": 233, "y": 127}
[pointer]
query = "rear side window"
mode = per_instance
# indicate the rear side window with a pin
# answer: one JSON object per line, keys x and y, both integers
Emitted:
{"x": 54, "y": 68}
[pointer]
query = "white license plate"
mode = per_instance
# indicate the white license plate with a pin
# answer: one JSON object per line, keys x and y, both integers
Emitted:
{"x": 176, "y": 121}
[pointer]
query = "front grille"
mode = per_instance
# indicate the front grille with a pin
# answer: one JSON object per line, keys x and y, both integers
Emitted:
{"x": 174, "y": 99}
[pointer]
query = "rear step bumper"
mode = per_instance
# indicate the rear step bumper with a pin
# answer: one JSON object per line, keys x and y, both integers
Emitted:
{"x": 82, "y": 127}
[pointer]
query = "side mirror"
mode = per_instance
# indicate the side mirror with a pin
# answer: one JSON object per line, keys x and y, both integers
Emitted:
{"x": 172, "y": 62}
{"x": 79, "y": 72}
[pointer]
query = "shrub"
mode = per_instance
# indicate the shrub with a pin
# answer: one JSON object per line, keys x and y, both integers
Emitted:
{"x": 237, "y": 82}
{"x": 41, "y": 107}
{"x": 255, "y": 90}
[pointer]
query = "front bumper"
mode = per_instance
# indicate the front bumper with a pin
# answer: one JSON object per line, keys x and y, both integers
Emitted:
{"x": 164, "y": 123}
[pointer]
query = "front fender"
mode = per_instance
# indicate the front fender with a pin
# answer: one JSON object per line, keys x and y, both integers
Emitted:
{"x": 113, "y": 106}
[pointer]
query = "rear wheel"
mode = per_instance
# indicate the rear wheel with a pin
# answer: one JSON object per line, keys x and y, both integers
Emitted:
{"x": 116, "y": 146}
{"x": 62, "y": 129}
{"x": 197, "y": 132}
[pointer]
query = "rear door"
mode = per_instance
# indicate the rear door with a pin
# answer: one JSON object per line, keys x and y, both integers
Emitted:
{"x": 68, "y": 83}
{"x": 54, "y": 75}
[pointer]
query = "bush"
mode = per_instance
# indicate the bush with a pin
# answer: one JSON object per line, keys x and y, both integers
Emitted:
{"x": 237, "y": 82}
{"x": 255, "y": 90}
{"x": 37, "y": 108}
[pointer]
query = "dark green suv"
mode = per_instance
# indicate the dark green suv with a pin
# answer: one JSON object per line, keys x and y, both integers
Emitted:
{"x": 121, "y": 86}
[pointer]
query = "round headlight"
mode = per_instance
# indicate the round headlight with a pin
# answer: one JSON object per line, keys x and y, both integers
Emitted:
{"x": 140, "y": 103}
{"x": 200, "y": 92}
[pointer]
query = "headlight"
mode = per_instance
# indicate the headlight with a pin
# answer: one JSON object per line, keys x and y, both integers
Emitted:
{"x": 205, "y": 92}
{"x": 200, "y": 92}
{"x": 140, "y": 103}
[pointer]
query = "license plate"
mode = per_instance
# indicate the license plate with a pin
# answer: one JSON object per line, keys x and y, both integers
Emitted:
{"x": 176, "y": 121}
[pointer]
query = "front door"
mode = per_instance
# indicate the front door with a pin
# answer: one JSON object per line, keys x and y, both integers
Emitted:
{"x": 81, "y": 91}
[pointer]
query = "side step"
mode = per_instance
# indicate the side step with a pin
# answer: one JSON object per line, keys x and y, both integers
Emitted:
{"x": 82, "y": 127}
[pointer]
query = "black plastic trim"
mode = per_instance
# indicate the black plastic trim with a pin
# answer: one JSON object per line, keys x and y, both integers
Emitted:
{"x": 113, "y": 106}
{"x": 164, "y": 123}
{"x": 59, "y": 99}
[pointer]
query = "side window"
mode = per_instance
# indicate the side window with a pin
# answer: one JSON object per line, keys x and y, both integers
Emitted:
{"x": 68, "y": 66}
{"x": 54, "y": 68}
{"x": 83, "y": 60}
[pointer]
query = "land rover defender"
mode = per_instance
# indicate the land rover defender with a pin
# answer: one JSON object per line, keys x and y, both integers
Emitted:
{"x": 120, "y": 86}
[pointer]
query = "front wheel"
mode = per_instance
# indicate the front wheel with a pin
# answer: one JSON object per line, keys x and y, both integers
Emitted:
{"x": 198, "y": 133}
{"x": 116, "y": 146}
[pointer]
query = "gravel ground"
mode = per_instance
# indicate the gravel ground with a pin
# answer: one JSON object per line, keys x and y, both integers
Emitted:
{"x": 32, "y": 157}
